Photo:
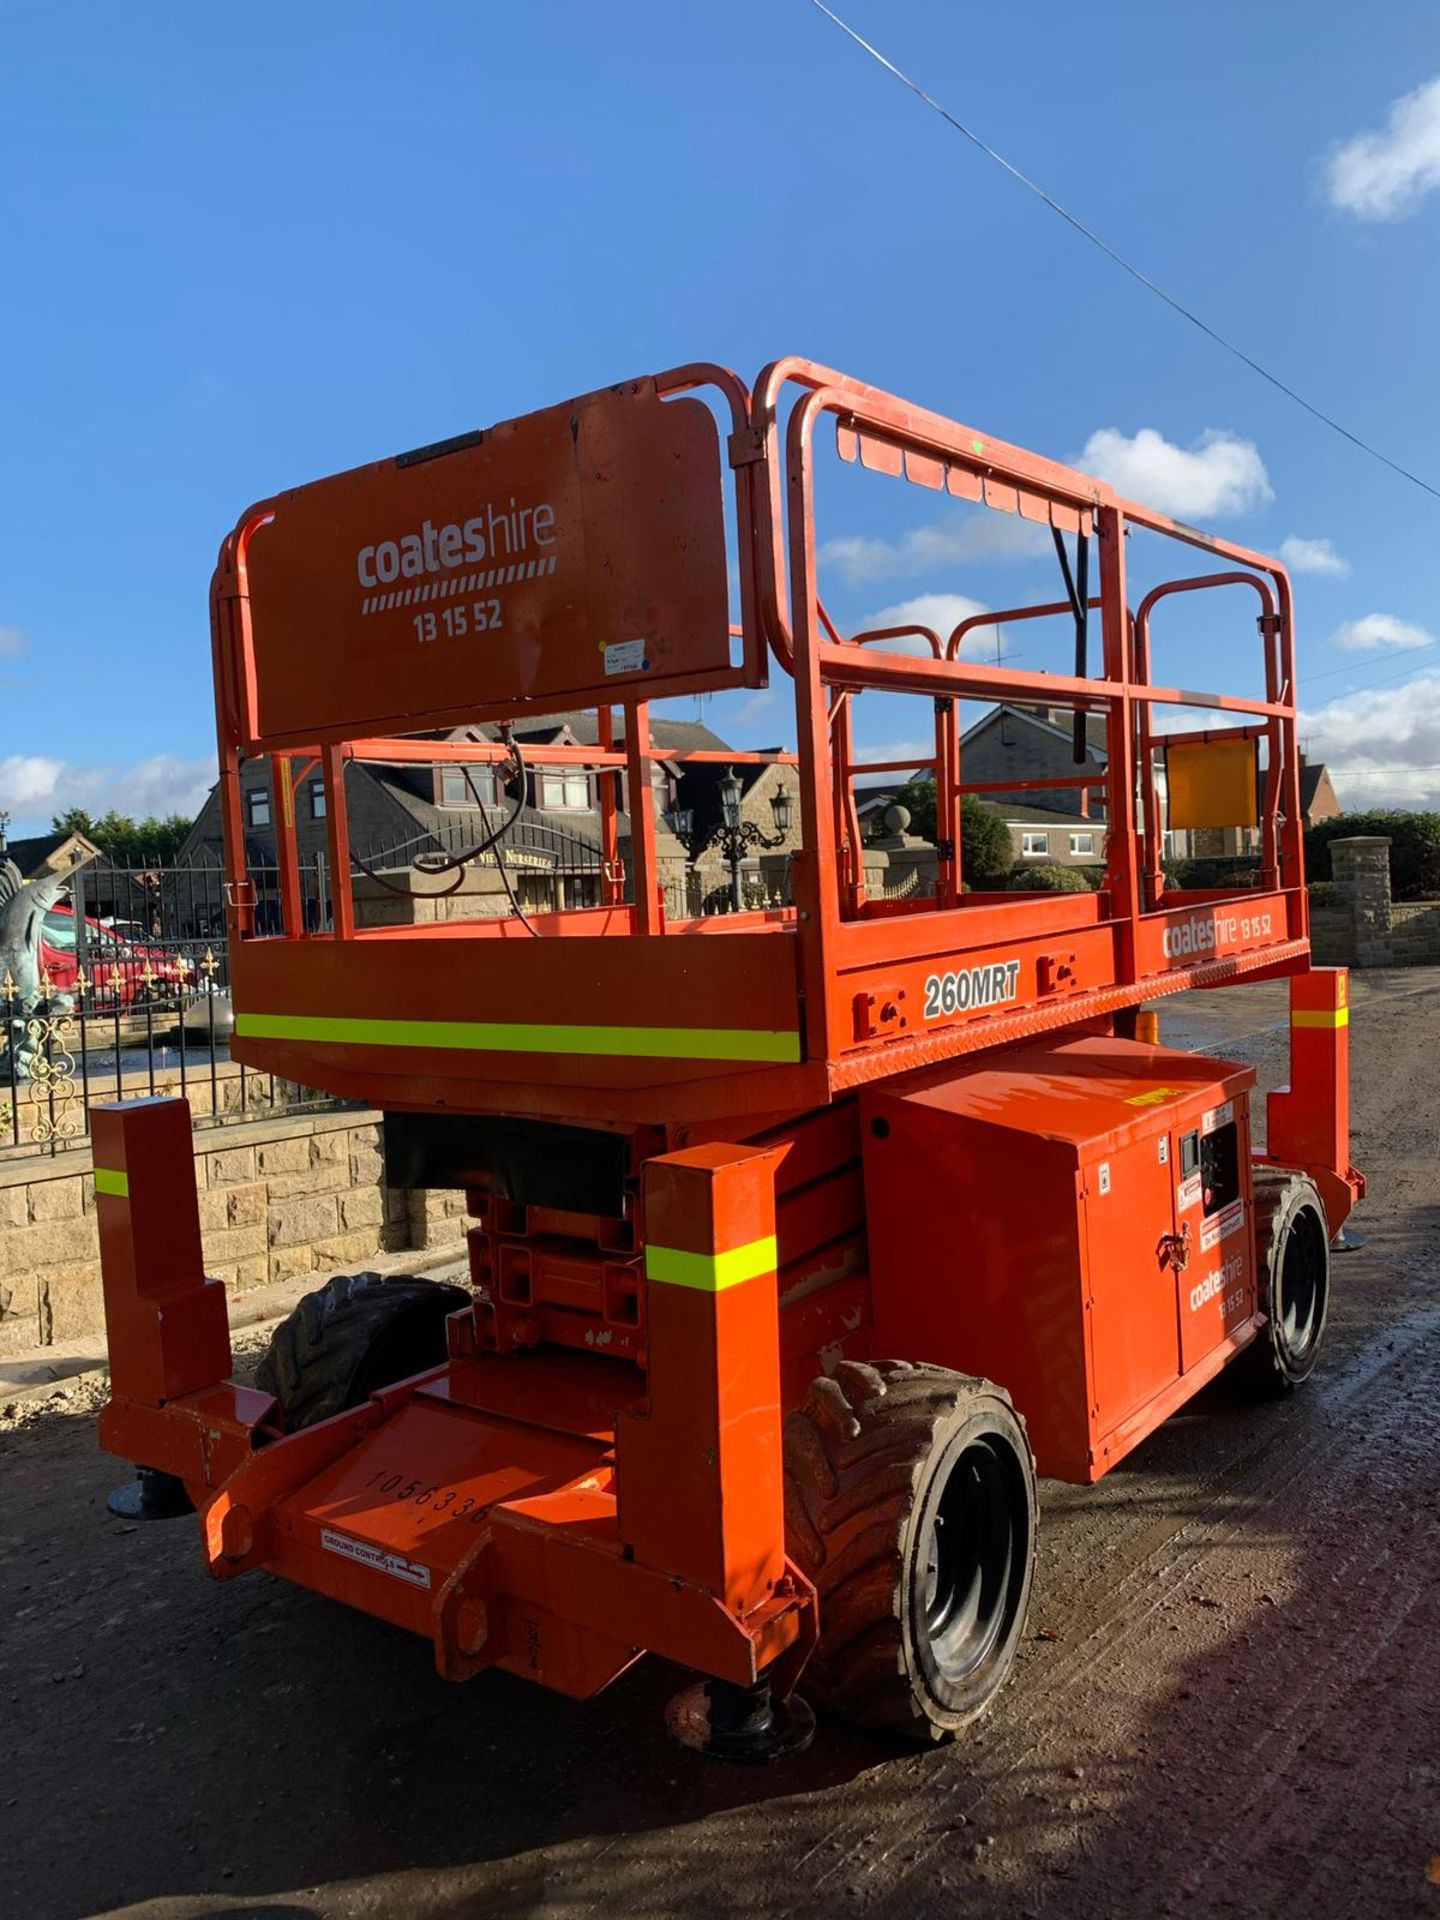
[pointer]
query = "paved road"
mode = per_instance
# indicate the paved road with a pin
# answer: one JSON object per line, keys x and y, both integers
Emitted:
{"x": 1230, "y": 1705}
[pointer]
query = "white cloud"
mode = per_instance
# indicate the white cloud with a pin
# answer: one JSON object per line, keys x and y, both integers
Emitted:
{"x": 908, "y": 753}
{"x": 1381, "y": 744}
{"x": 1380, "y": 176}
{"x": 1380, "y": 630}
{"x": 13, "y": 640}
{"x": 1217, "y": 476}
{"x": 987, "y": 534}
{"x": 942, "y": 613}
{"x": 1313, "y": 556}
{"x": 33, "y": 786}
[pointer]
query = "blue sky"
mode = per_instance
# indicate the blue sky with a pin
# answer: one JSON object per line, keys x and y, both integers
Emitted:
{"x": 245, "y": 250}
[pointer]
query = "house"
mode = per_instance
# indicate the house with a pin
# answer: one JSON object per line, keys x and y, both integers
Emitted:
{"x": 1050, "y": 836}
{"x": 553, "y": 854}
{"x": 1318, "y": 798}
{"x": 1027, "y": 743}
{"x": 1011, "y": 743}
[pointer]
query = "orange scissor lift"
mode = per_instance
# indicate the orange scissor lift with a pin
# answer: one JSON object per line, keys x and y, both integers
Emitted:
{"x": 802, "y": 1237}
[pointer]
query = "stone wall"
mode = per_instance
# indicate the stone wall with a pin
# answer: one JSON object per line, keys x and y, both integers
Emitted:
{"x": 279, "y": 1199}
{"x": 1365, "y": 927}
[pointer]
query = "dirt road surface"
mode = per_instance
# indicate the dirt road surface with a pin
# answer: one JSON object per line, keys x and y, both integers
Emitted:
{"x": 1229, "y": 1702}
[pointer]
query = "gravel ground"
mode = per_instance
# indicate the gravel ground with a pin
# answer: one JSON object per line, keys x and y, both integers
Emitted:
{"x": 1229, "y": 1702}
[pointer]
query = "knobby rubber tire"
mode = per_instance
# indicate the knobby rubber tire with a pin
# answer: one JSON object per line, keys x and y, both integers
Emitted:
{"x": 1292, "y": 1271}
{"x": 874, "y": 1457}
{"x": 356, "y": 1334}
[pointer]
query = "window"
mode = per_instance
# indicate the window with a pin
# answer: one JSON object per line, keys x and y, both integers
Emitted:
{"x": 257, "y": 806}
{"x": 317, "y": 799}
{"x": 1082, "y": 843}
{"x": 1034, "y": 844}
{"x": 60, "y": 930}
{"x": 564, "y": 792}
{"x": 467, "y": 786}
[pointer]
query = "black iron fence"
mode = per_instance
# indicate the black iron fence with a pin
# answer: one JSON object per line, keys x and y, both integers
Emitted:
{"x": 122, "y": 989}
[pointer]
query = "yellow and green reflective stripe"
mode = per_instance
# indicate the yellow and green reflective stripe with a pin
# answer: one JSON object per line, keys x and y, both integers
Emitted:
{"x": 515, "y": 1036}
{"x": 112, "y": 1180}
{"x": 1320, "y": 1017}
{"x": 710, "y": 1272}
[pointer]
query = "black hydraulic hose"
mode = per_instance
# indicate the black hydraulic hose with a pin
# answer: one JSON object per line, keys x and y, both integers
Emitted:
{"x": 456, "y": 863}
{"x": 448, "y": 862}
{"x": 1079, "y": 597}
{"x": 1080, "y": 739}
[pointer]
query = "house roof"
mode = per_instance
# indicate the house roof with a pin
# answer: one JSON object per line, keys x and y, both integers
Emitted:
{"x": 584, "y": 728}
{"x": 1310, "y": 778}
{"x": 1053, "y": 720}
{"x": 1020, "y": 816}
{"x": 32, "y": 855}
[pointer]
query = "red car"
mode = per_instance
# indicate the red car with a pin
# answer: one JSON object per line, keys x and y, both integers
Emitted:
{"x": 115, "y": 969}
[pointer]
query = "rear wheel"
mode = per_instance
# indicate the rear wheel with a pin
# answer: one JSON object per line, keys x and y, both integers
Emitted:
{"x": 910, "y": 1502}
{"x": 1292, "y": 1262}
{"x": 358, "y": 1333}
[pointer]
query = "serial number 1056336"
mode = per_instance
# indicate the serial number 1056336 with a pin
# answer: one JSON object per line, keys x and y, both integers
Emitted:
{"x": 423, "y": 1493}
{"x": 481, "y": 616}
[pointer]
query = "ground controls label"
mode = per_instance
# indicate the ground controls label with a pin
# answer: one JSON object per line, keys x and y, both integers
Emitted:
{"x": 1222, "y": 1226}
{"x": 970, "y": 988}
{"x": 379, "y": 1558}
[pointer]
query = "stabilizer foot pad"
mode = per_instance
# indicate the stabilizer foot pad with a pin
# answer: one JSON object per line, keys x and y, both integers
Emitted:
{"x": 745, "y": 1725}
{"x": 152, "y": 1495}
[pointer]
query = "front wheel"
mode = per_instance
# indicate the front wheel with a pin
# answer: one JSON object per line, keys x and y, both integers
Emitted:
{"x": 910, "y": 1502}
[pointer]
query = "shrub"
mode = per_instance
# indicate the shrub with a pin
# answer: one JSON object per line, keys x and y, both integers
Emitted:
{"x": 1324, "y": 894}
{"x": 1231, "y": 872}
{"x": 985, "y": 851}
{"x": 1414, "y": 848}
{"x": 1048, "y": 878}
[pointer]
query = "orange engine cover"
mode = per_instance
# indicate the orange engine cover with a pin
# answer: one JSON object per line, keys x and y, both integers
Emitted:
{"x": 1071, "y": 1220}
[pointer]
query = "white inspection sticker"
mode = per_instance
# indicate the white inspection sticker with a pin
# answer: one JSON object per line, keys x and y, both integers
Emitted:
{"x": 369, "y": 1555}
{"x": 626, "y": 656}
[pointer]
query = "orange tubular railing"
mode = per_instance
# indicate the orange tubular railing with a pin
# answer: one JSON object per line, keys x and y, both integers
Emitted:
{"x": 867, "y": 971}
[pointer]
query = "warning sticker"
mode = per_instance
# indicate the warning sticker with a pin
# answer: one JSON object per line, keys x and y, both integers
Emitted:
{"x": 379, "y": 1558}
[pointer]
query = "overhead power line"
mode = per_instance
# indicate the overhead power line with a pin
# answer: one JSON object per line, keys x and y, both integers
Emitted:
{"x": 1394, "y": 673}
{"x": 1380, "y": 773}
{"x": 1088, "y": 233}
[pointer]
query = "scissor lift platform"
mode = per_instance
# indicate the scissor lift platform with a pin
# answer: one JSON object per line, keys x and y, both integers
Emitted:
{"x": 730, "y": 1175}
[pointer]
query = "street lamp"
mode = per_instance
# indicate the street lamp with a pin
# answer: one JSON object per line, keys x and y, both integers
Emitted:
{"x": 734, "y": 836}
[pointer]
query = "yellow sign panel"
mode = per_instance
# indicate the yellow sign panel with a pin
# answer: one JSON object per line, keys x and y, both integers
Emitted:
{"x": 1213, "y": 783}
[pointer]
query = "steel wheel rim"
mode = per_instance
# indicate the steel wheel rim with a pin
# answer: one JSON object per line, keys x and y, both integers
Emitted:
{"x": 1301, "y": 1286}
{"x": 973, "y": 1542}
